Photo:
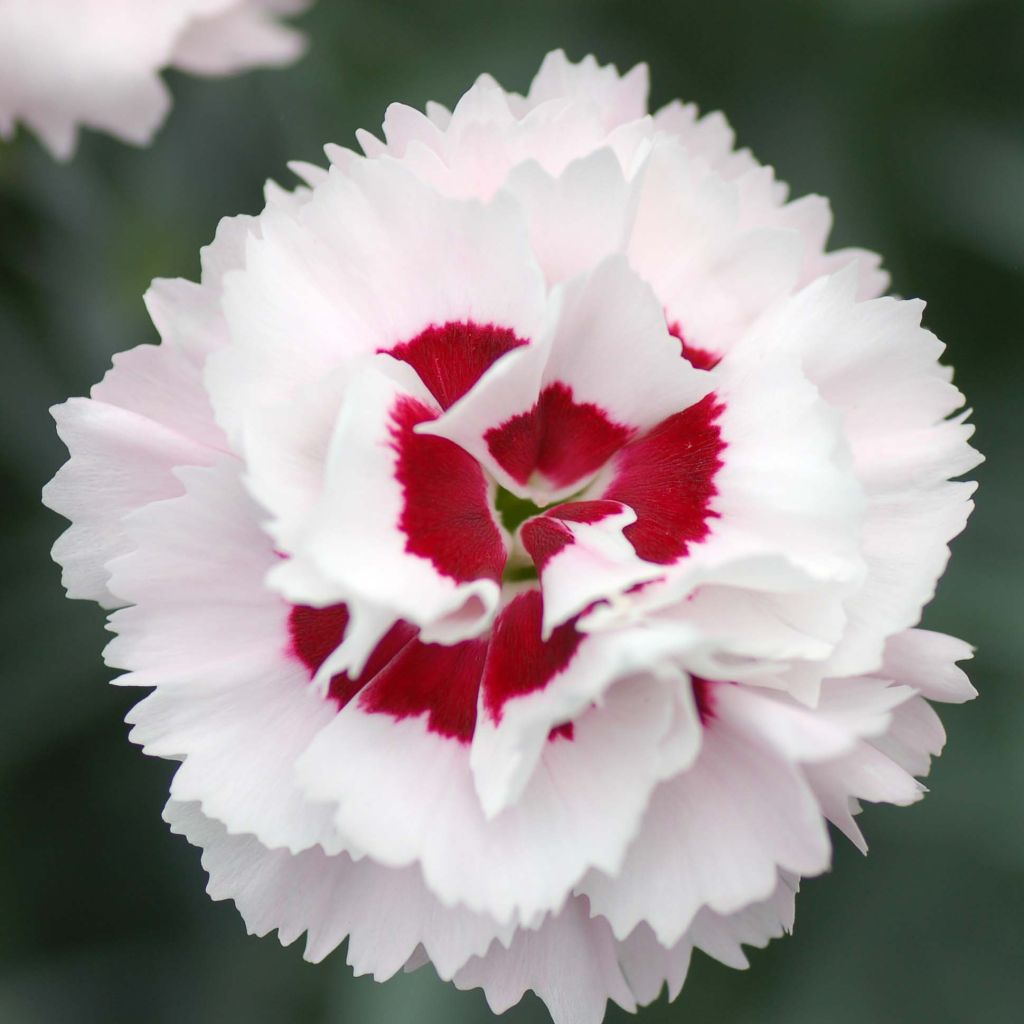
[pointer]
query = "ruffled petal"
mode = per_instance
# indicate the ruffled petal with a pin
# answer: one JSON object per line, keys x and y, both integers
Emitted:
{"x": 571, "y": 962}
{"x": 580, "y": 807}
{"x": 724, "y": 861}
{"x": 584, "y": 400}
{"x": 404, "y": 528}
{"x": 386, "y": 914}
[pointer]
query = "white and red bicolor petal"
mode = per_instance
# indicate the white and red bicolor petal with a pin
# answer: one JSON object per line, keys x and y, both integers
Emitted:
{"x": 749, "y": 500}
{"x": 582, "y": 556}
{"x": 404, "y": 528}
{"x": 725, "y": 274}
{"x": 410, "y": 728}
{"x": 533, "y": 683}
{"x": 332, "y": 273}
{"x": 546, "y": 420}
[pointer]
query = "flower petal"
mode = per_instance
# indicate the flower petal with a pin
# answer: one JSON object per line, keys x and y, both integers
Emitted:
{"x": 404, "y": 524}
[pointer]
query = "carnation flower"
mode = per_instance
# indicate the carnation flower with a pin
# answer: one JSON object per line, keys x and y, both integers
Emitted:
{"x": 523, "y": 529}
{"x": 97, "y": 63}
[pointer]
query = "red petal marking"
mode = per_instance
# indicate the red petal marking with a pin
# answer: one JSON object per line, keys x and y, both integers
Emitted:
{"x": 699, "y": 358}
{"x": 450, "y": 358}
{"x": 704, "y": 695}
{"x": 668, "y": 478}
{"x": 406, "y": 678}
{"x": 440, "y": 680}
{"x": 447, "y": 516}
{"x": 560, "y": 438}
{"x": 316, "y": 632}
{"x": 518, "y": 661}
{"x": 545, "y": 535}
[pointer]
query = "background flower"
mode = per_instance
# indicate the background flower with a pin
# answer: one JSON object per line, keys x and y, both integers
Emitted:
{"x": 97, "y": 63}
{"x": 827, "y": 923}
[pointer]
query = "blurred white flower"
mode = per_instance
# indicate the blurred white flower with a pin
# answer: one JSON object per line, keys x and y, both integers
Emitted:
{"x": 96, "y": 63}
{"x": 523, "y": 528}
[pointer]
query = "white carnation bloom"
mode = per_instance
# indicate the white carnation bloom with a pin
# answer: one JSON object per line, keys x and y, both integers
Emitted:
{"x": 96, "y": 63}
{"x": 523, "y": 529}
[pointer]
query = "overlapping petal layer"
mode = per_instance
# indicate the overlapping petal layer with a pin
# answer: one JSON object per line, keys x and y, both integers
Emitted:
{"x": 522, "y": 528}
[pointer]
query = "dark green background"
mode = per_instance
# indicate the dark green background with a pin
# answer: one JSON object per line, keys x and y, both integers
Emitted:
{"x": 909, "y": 115}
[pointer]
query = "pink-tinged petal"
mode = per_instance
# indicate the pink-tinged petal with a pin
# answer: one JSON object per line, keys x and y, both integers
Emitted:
{"x": 404, "y": 525}
{"x": 120, "y": 461}
{"x": 867, "y": 774}
{"x": 231, "y": 40}
{"x": 404, "y": 125}
{"x": 620, "y": 98}
{"x": 220, "y": 664}
{"x": 915, "y": 735}
{"x": 585, "y": 797}
{"x": 714, "y": 274}
{"x": 188, "y": 315}
{"x": 875, "y": 365}
{"x": 577, "y": 218}
{"x": 893, "y": 738}
{"x": 731, "y": 860}
{"x": 649, "y": 966}
{"x": 610, "y": 371}
{"x": 329, "y": 273}
{"x": 927, "y": 661}
{"x": 582, "y": 557}
{"x": 724, "y": 935}
{"x": 767, "y": 623}
{"x": 797, "y": 733}
{"x": 164, "y": 384}
{"x": 710, "y": 138}
{"x": 532, "y": 684}
{"x": 386, "y": 914}
{"x": 570, "y": 961}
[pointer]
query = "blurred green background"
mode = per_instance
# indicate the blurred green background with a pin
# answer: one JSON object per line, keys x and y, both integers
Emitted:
{"x": 909, "y": 114}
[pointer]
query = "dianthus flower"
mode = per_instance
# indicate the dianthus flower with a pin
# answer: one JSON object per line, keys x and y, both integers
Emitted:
{"x": 97, "y": 63}
{"x": 522, "y": 528}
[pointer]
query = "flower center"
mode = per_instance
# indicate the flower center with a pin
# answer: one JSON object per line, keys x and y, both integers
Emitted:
{"x": 624, "y": 494}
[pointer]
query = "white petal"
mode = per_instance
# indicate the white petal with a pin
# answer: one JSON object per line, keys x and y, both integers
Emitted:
{"x": 580, "y": 808}
{"x": 386, "y": 914}
{"x": 223, "y": 665}
{"x": 927, "y": 661}
{"x": 722, "y": 859}
{"x": 571, "y": 962}
{"x": 120, "y": 461}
